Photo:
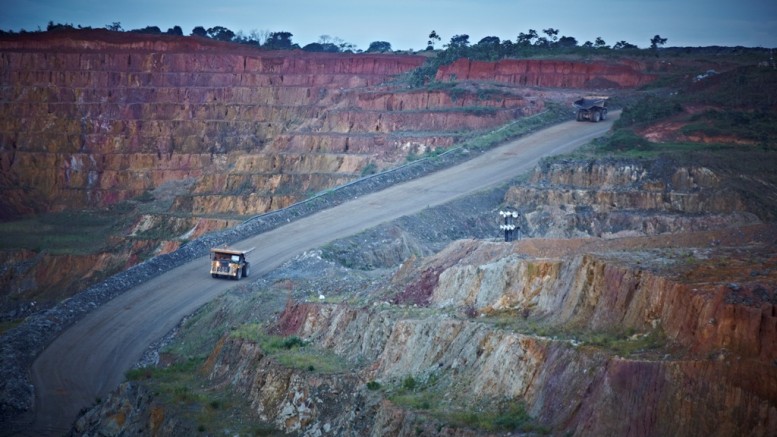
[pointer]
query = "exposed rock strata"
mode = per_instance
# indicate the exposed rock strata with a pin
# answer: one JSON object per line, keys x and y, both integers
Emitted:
{"x": 480, "y": 345}
{"x": 549, "y": 73}
{"x": 713, "y": 377}
{"x": 578, "y": 198}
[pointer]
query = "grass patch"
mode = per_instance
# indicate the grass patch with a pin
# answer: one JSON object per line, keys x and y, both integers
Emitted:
{"x": 174, "y": 383}
{"x": 180, "y": 388}
{"x": 512, "y": 418}
{"x": 292, "y": 352}
{"x": 7, "y": 325}
{"x": 427, "y": 396}
{"x": 626, "y": 342}
{"x": 648, "y": 110}
{"x": 523, "y": 126}
{"x": 63, "y": 233}
{"x": 626, "y": 144}
{"x": 759, "y": 127}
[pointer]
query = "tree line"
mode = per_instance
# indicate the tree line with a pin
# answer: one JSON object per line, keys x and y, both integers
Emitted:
{"x": 488, "y": 48}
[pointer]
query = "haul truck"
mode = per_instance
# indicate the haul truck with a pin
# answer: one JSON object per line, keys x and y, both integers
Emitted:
{"x": 229, "y": 263}
{"x": 592, "y": 108}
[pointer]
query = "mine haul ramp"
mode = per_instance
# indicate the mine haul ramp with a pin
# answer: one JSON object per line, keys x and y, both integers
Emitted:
{"x": 591, "y": 108}
{"x": 229, "y": 263}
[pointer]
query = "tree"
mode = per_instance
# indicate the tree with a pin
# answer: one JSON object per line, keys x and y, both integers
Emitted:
{"x": 115, "y": 26}
{"x": 314, "y": 47}
{"x": 175, "y": 30}
{"x": 489, "y": 41}
{"x": 200, "y": 31}
{"x": 488, "y": 48}
{"x": 347, "y": 47}
{"x": 567, "y": 42}
{"x": 620, "y": 45}
{"x": 549, "y": 40}
{"x": 221, "y": 33}
{"x": 58, "y": 26}
{"x": 657, "y": 41}
{"x": 432, "y": 38}
{"x": 458, "y": 42}
{"x": 329, "y": 44}
{"x": 153, "y": 30}
{"x": 379, "y": 47}
{"x": 527, "y": 39}
{"x": 600, "y": 44}
{"x": 279, "y": 41}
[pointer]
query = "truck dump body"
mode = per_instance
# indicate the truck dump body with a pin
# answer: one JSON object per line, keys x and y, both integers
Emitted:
{"x": 592, "y": 108}
{"x": 229, "y": 263}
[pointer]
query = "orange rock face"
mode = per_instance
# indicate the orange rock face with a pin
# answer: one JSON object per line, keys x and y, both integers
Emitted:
{"x": 91, "y": 121}
{"x": 548, "y": 73}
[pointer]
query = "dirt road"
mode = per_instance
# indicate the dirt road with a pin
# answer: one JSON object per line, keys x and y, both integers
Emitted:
{"x": 89, "y": 359}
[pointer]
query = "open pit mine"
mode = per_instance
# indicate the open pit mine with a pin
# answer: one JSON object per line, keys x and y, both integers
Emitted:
{"x": 640, "y": 300}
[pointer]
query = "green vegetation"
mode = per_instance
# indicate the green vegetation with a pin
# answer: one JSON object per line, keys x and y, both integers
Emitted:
{"x": 180, "y": 388}
{"x": 756, "y": 126}
{"x": 648, "y": 110}
{"x": 369, "y": 169}
{"x": 523, "y": 126}
{"x": 68, "y": 232}
{"x": 487, "y": 140}
{"x": 6, "y": 325}
{"x": 512, "y": 418}
{"x": 427, "y": 395}
{"x": 623, "y": 342}
{"x": 292, "y": 352}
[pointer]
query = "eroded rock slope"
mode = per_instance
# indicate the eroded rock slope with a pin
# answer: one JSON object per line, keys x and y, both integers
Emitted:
{"x": 655, "y": 331}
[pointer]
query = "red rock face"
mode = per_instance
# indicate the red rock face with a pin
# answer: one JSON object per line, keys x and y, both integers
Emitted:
{"x": 91, "y": 121}
{"x": 92, "y": 118}
{"x": 552, "y": 73}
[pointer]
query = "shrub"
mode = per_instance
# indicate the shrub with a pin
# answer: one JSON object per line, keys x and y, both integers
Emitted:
{"x": 624, "y": 140}
{"x": 648, "y": 110}
{"x": 369, "y": 169}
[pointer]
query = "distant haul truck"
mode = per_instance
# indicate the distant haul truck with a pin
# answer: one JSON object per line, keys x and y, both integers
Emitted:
{"x": 229, "y": 263}
{"x": 591, "y": 108}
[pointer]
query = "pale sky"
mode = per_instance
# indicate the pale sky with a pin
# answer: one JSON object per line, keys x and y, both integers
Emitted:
{"x": 406, "y": 24}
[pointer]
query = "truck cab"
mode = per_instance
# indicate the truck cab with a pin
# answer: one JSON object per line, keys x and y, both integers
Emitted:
{"x": 229, "y": 263}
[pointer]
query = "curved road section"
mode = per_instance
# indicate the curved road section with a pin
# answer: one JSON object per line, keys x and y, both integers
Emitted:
{"x": 90, "y": 358}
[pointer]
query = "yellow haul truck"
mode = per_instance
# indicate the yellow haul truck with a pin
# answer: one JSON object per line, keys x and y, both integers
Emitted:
{"x": 229, "y": 263}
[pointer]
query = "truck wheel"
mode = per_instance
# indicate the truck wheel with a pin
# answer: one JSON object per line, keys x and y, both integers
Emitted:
{"x": 579, "y": 115}
{"x": 237, "y": 274}
{"x": 214, "y": 276}
{"x": 604, "y": 114}
{"x": 246, "y": 270}
{"x": 596, "y": 116}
